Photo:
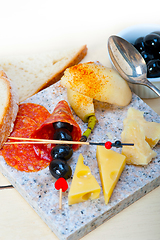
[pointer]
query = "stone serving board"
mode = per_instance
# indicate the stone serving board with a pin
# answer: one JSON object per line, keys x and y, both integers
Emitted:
{"x": 73, "y": 222}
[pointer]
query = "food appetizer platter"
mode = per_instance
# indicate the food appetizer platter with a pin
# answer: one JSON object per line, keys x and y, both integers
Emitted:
{"x": 38, "y": 188}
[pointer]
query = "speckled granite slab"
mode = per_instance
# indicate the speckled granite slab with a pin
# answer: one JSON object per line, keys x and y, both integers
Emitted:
{"x": 73, "y": 222}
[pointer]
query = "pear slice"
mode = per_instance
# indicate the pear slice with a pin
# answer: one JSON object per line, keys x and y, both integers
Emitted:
{"x": 82, "y": 105}
{"x": 97, "y": 82}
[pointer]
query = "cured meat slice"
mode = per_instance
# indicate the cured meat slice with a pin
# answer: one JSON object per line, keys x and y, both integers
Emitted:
{"x": 34, "y": 111}
{"x": 61, "y": 113}
{"x": 35, "y": 157}
{"x": 22, "y": 156}
{"x": 24, "y": 122}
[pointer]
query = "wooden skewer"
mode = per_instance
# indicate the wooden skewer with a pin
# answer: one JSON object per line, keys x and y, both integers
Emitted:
{"x": 46, "y": 141}
{"x": 60, "y": 198}
{"x": 42, "y": 141}
{"x": 29, "y": 142}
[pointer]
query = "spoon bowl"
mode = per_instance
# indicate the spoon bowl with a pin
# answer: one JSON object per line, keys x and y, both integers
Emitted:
{"x": 129, "y": 62}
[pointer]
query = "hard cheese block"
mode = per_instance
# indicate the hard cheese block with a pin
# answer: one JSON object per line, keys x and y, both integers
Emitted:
{"x": 111, "y": 164}
{"x": 141, "y": 153}
{"x": 84, "y": 186}
{"x": 151, "y": 129}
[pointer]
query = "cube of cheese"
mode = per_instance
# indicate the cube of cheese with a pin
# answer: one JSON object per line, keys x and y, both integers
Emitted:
{"x": 84, "y": 186}
{"x": 111, "y": 164}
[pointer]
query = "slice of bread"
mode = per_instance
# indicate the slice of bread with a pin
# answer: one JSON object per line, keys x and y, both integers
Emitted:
{"x": 34, "y": 72}
{"x": 8, "y": 107}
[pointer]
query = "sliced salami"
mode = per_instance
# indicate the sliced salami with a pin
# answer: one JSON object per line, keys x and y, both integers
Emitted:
{"x": 61, "y": 113}
{"x": 36, "y": 122}
{"x": 22, "y": 156}
{"x": 34, "y": 111}
{"x": 24, "y": 122}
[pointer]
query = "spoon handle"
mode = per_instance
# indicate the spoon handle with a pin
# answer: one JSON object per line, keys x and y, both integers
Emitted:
{"x": 152, "y": 87}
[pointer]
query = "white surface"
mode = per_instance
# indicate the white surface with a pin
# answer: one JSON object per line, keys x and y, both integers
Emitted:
{"x": 37, "y": 24}
{"x": 40, "y": 25}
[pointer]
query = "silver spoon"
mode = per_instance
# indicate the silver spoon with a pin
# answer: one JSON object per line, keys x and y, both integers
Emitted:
{"x": 129, "y": 62}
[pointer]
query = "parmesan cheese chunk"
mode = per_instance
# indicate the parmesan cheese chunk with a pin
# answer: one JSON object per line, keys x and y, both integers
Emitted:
{"x": 151, "y": 129}
{"x": 141, "y": 153}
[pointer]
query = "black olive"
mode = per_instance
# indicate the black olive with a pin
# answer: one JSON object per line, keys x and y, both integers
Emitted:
{"x": 59, "y": 168}
{"x": 152, "y": 42}
{"x": 149, "y": 48}
{"x": 62, "y": 134}
{"x": 157, "y": 54}
{"x": 58, "y": 125}
{"x": 62, "y": 151}
{"x": 153, "y": 68}
{"x": 139, "y": 44}
{"x": 118, "y": 143}
{"x": 157, "y": 32}
{"x": 147, "y": 56}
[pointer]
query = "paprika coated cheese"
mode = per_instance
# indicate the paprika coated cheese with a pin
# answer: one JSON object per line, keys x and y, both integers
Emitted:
{"x": 111, "y": 164}
{"x": 84, "y": 186}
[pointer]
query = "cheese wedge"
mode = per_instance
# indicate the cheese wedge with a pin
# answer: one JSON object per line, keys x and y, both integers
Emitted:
{"x": 111, "y": 165}
{"x": 151, "y": 129}
{"x": 84, "y": 186}
{"x": 141, "y": 153}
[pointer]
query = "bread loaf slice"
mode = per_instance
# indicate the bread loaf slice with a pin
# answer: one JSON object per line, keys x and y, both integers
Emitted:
{"x": 33, "y": 72}
{"x": 9, "y": 100}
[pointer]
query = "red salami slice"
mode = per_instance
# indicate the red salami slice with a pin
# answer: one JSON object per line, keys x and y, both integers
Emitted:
{"x": 61, "y": 113}
{"x": 24, "y": 122}
{"x": 34, "y": 111}
{"x": 31, "y": 157}
{"x": 22, "y": 156}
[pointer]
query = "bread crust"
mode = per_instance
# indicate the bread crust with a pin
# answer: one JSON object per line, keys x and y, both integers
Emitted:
{"x": 33, "y": 72}
{"x": 11, "y": 110}
{"x": 56, "y": 77}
